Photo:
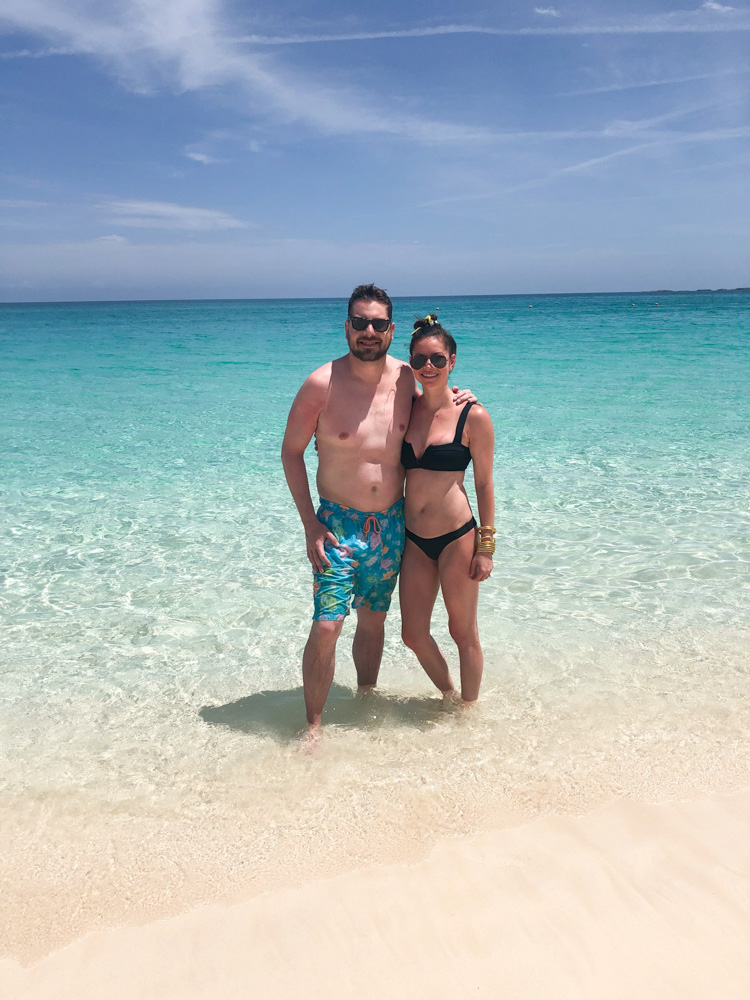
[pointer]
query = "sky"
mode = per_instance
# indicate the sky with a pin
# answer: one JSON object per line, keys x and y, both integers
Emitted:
{"x": 222, "y": 149}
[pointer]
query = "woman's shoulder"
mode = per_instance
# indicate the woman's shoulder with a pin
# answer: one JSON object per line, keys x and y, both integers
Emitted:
{"x": 478, "y": 416}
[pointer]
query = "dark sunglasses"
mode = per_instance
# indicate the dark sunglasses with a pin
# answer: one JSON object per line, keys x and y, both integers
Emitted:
{"x": 359, "y": 323}
{"x": 418, "y": 361}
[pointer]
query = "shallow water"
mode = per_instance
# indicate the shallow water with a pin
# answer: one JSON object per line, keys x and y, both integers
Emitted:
{"x": 156, "y": 597}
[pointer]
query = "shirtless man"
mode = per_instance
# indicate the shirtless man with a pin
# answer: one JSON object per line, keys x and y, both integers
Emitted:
{"x": 358, "y": 408}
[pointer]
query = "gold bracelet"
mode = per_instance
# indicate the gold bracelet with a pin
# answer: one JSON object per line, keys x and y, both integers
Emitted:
{"x": 488, "y": 547}
{"x": 487, "y": 527}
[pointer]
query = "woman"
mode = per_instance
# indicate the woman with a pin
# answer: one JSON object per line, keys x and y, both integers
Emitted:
{"x": 444, "y": 547}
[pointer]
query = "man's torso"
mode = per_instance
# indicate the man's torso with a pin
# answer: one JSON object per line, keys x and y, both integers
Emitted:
{"x": 359, "y": 434}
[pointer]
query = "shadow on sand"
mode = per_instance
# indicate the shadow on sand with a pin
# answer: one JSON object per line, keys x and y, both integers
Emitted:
{"x": 281, "y": 714}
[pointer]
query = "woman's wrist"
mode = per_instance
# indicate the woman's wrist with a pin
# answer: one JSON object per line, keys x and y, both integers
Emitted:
{"x": 485, "y": 544}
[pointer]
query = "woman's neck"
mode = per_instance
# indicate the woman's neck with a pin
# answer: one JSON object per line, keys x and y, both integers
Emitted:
{"x": 435, "y": 397}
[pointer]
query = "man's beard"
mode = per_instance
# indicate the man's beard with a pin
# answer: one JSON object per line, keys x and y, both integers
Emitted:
{"x": 369, "y": 353}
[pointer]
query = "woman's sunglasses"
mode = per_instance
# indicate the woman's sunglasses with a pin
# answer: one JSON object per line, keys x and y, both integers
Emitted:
{"x": 359, "y": 323}
{"x": 418, "y": 361}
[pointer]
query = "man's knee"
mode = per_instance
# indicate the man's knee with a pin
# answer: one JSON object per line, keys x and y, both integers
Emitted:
{"x": 324, "y": 633}
{"x": 370, "y": 621}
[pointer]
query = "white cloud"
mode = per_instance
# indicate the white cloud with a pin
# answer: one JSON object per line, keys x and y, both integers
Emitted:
{"x": 165, "y": 215}
{"x": 203, "y": 158}
{"x": 669, "y": 23}
{"x": 191, "y": 45}
{"x": 548, "y": 11}
{"x": 666, "y": 82}
{"x": 113, "y": 238}
{"x": 712, "y": 5}
{"x": 21, "y": 203}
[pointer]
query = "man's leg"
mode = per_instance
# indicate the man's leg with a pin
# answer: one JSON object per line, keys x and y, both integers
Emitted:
{"x": 367, "y": 648}
{"x": 318, "y": 662}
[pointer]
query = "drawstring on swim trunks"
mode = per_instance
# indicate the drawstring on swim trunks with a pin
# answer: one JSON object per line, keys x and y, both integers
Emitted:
{"x": 371, "y": 524}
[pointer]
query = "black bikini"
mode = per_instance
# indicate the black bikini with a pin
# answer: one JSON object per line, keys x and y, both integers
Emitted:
{"x": 450, "y": 457}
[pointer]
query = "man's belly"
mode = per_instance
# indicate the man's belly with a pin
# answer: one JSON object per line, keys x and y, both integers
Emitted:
{"x": 364, "y": 487}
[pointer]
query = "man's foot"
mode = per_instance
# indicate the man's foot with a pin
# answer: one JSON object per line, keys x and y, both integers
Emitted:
{"x": 310, "y": 739}
{"x": 366, "y": 689}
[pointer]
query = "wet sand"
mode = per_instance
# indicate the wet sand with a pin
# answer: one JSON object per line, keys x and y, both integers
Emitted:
{"x": 631, "y": 900}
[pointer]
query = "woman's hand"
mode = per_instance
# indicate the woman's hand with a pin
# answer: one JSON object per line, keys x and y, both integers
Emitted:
{"x": 481, "y": 566}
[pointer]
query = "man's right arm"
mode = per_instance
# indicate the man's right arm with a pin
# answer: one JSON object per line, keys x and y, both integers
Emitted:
{"x": 300, "y": 427}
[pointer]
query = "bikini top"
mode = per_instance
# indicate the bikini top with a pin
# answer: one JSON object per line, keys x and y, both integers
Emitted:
{"x": 451, "y": 457}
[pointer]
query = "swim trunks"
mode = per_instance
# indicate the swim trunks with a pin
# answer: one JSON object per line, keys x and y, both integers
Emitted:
{"x": 364, "y": 564}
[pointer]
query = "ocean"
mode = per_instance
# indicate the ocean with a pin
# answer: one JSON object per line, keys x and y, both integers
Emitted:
{"x": 156, "y": 597}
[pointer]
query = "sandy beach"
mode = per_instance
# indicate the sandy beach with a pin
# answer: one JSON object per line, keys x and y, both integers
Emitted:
{"x": 631, "y": 900}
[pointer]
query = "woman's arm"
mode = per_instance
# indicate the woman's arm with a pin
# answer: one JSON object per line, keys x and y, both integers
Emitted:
{"x": 481, "y": 436}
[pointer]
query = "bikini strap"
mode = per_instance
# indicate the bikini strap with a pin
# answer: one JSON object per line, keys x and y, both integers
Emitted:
{"x": 461, "y": 421}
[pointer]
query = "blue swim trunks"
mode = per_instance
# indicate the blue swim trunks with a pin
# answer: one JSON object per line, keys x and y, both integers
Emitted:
{"x": 364, "y": 564}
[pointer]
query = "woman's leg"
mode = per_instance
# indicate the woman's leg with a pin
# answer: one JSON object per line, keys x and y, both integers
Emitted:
{"x": 461, "y": 594}
{"x": 418, "y": 587}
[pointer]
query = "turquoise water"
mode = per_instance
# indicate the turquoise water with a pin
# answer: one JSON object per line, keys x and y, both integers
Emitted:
{"x": 156, "y": 597}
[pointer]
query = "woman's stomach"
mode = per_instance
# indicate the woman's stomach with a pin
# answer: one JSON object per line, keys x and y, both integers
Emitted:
{"x": 435, "y": 502}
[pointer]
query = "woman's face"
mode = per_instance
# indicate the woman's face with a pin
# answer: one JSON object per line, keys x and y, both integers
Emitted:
{"x": 429, "y": 350}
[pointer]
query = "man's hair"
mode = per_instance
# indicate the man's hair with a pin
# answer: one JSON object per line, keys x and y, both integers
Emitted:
{"x": 371, "y": 293}
{"x": 429, "y": 327}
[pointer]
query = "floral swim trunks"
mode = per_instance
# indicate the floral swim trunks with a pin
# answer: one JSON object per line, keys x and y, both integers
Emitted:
{"x": 364, "y": 564}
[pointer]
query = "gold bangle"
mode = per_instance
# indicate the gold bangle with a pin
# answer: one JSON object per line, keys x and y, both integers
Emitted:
{"x": 488, "y": 548}
{"x": 488, "y": 527}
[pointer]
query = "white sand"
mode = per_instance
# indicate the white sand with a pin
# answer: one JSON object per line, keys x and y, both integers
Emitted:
{"x": 633, "y": 901}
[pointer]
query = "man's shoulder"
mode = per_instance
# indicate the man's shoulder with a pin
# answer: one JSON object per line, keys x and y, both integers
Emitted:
{"x": 400, "y": 373}
{"x": 319, "y": 380}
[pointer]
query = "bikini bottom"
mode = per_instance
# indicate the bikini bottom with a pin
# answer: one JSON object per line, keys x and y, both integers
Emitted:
{"x": 432, "y": 547}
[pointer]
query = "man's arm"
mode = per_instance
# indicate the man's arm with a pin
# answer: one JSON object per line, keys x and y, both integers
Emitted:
{"x": 300, "y": 427}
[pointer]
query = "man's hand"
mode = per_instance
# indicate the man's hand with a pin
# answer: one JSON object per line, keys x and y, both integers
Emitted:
{"x": 316, "y": 536}
{"x": 481, "y": 566}
{"x": 463, "y": 396}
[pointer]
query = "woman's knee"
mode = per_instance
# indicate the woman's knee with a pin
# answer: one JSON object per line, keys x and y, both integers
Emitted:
{"x": 464, "y": 634}
{"x": 413, "y": 636}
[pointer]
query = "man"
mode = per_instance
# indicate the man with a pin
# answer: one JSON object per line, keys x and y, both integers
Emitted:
{"x": 358, "y": 408}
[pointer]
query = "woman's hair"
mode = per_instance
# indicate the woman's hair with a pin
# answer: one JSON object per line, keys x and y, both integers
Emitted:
{"x": 429, "y": 327}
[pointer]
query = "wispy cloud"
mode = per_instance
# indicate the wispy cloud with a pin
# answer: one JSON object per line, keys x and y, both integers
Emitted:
{"x": 187, "y": 45}
{"x": 674, "y": 22}
{"x": 712, "y": 5}
{"x": 166, "y": 215}
{"x": 547, "y": 11}
{"x": 190, "y": 45}
{"x": 38, "y": 53}
{"x": 667, "y": 81}
{"x": 21, "y": 203}
{"x": 203, "y": 158}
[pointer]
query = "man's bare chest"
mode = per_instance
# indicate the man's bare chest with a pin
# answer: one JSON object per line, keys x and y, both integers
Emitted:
{"x": 370, "y": 422}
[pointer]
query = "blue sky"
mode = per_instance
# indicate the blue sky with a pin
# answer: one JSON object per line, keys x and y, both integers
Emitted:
{"x": 210, "y": 149}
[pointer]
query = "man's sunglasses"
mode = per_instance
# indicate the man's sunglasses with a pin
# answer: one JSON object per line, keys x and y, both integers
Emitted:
{"x": 418, "y": 361}
{"x": 359, "y": 323}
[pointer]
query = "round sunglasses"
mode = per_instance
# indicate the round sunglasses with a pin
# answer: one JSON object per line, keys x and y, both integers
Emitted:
{"x": 418, "y": 361}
